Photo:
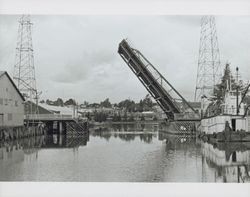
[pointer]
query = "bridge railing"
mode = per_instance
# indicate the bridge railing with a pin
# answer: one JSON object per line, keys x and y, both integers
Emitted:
{"x": 47, "y": 116}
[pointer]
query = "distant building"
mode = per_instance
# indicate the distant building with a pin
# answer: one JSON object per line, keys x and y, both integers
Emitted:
{"x": 11, "y": 103}
{"x": 148, "y": 115}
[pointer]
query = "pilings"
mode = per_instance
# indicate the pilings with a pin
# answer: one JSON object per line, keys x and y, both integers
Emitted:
{"x": 55, "y": 127}
{"x": 45, "y": 128}
{"x": 73, "y": 128}
{"x": 12, "y": 133}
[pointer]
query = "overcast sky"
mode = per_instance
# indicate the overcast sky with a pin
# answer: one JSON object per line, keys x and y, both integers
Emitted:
{"x": 76, "y": 56}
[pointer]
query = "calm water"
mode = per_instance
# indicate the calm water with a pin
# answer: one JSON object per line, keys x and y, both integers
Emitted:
{"x": 121, "y": 153}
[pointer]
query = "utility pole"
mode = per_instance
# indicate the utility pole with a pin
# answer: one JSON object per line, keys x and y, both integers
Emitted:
{"x": 24, "y": 69}
{"x": 237, "y": 91}
{"x": 209, "y": 68}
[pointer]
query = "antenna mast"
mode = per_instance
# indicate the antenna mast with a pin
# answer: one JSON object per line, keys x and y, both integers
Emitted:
{"x": 24, "y": 69}
{"x": 209, "y": 68}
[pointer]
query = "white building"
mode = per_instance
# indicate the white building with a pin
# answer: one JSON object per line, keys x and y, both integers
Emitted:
{"x": 11, "y": 103}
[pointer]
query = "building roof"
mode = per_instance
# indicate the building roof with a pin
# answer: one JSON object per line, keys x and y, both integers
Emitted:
{"x": 62, "y": 110}
{"x": 14, "y": 85}
{"x": 31, "y": 108}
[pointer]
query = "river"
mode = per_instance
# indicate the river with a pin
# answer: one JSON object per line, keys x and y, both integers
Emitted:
{"x": 123, "y": 153}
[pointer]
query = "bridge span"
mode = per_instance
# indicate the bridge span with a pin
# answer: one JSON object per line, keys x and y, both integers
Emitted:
{"x": 182, "y": 116}
{"x": 59, "y": 123}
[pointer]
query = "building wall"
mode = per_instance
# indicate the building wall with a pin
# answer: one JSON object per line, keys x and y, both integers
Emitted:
{"x": 248, "y": 123}
{"x": 11, "y": 104}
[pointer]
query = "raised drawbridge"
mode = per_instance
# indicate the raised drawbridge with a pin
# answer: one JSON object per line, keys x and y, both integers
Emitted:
{"x": 169, "y": 99}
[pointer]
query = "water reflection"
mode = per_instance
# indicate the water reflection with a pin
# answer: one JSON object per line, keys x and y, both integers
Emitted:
{"x": 134, "y": 127}
{"x": 231, "y": 161}
{"x": 182, "y": 158}
{"x": 127, "y": 132}
{"x": 222, "y": 162}
{"x": 14, "y": 151}
{"x": 123, "y": 153}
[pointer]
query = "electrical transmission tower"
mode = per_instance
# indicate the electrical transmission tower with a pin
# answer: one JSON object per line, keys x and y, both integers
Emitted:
{"x": 24, "y": 70}
{"x": 209, "y": 69}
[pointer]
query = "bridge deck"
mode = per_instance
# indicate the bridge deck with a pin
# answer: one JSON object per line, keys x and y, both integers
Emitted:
{"x": 49, "y": 117}
{"x": 168, "y": 98}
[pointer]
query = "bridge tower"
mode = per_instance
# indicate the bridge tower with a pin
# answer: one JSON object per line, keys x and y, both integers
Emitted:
{"x": 209, "y": 68}
{"x": 24, "y": 69}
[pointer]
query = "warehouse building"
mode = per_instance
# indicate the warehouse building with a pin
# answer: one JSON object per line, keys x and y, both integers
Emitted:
{"x": 11, "y": 105}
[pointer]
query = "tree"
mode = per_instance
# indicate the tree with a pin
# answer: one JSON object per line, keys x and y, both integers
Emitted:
{"x": 125, "y": 117}
{"x": 119, "y": 117}
{"x": 142, "y": 118}
{"x": 49, "y": 102}
{"x": 147, "y": 103}
{"x": 131, "y": 118}
{"x": 140, "y": 106}
{"x": 94, "y": 105}
{"x": 59, "y": 102}
{"x": 86, "y": 104}
{"x": 227, "y": 81}
{"x": 42, "y": 101}
{"x": 128, "y": 105}
{"x": 106, "y": 103}
{"x": 100, "y": 116}
{"x": 70, "y": 102}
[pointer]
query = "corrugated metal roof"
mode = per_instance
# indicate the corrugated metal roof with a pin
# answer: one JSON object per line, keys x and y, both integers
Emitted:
{"x": 62, "y": 110}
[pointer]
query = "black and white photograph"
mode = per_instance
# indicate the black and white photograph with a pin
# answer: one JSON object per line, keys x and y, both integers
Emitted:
{"x": 124, "y": 98}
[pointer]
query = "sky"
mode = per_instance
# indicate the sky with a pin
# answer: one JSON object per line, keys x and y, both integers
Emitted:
{"x": 75, "y": 56}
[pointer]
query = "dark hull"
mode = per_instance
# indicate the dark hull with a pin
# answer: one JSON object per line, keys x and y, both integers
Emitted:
{"x": 223, "y": 137}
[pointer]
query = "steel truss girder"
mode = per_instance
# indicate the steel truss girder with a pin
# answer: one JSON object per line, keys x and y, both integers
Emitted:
{"x": 145, "y": 72}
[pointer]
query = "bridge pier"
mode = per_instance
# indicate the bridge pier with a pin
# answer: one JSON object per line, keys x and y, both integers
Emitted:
{"x": 56, "y": 127}
{"x": 49, "y": 126}
{"x": 61, "y": 127}
{"x": 60, "y": 124}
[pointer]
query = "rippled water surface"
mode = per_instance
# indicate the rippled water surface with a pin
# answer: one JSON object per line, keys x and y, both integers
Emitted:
{"x": 121, "y": 153}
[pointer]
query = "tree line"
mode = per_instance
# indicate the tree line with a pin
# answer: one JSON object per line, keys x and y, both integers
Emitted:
{"x": 129, "y": 105}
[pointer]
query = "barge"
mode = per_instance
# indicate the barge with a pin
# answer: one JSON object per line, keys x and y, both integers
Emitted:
{"x": 227, "y": 120}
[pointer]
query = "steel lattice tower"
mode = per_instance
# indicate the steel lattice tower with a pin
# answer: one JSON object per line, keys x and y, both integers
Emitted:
{"x": 209, "y": 69}
{"x": 24, "y": 69}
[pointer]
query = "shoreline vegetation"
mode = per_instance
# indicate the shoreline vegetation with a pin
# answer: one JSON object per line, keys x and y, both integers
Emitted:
{"x": 124, "y": 111}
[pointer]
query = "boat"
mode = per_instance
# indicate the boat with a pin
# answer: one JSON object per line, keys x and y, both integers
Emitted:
{"x": 227, "y": 120}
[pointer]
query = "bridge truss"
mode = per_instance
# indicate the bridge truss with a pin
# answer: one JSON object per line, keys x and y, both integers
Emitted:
{"x": 169, "y": 99}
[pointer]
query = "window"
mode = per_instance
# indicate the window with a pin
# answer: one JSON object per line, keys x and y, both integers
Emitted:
{"x": 1, "y": 101}
{"x": 10, "y": 117}
{"x": 16, "y": 103}
{"x": 6, "y": 101}
{"x": 10, "y": 102}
